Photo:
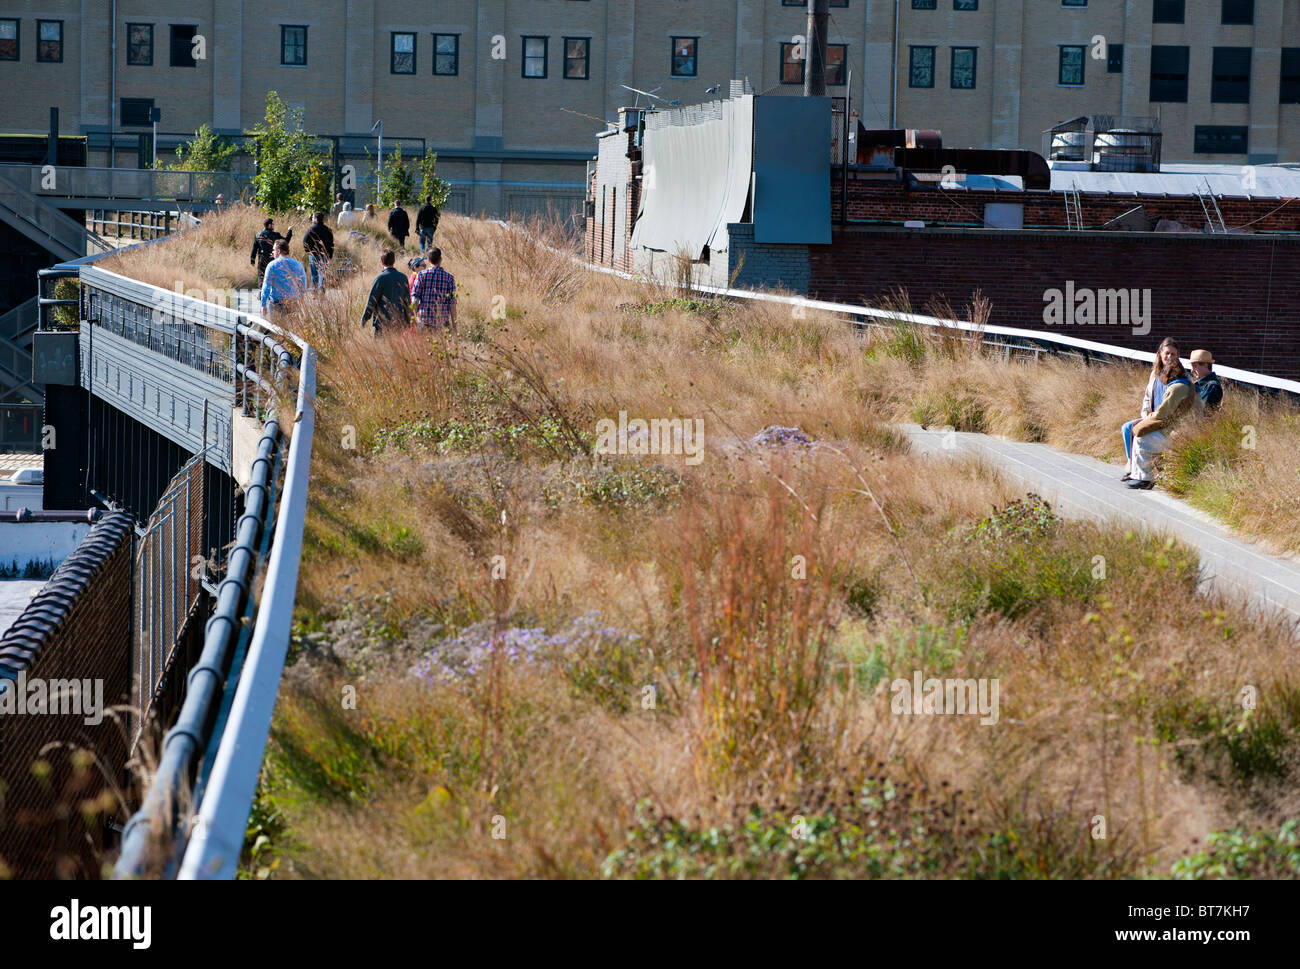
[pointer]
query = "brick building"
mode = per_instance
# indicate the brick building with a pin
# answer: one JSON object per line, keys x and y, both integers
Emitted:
{"x": 484, "y": 81}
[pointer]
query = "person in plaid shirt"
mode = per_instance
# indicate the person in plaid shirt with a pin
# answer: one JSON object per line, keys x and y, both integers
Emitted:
{"x": 434, "y": 293}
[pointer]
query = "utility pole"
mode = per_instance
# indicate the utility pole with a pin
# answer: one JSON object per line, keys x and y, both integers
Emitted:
{"x": 814, "y": 75}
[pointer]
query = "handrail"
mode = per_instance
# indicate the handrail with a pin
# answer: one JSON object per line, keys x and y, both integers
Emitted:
{"x": 236, "y": 755}
{"x": 48, "y": 219}
{"x": 158, "y": 184}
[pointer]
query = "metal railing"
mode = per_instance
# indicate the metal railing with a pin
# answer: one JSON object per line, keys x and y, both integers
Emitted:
{"x": 211, "y": 757}
{"x": 135, "y": 184}
{"x": 39, "y": 220}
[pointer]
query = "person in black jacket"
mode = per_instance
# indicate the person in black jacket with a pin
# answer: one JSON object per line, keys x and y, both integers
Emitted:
{"x": 264, "y": 247}
{"x": 399, "y": 224}
{"x": 426, "y": 223}
{"x": 389, "y": 302}
{"x": 319, "y": 243}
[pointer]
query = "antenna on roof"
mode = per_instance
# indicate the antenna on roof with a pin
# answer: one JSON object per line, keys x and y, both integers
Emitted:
{"x": 590, "y": 117}
{"x": 639, "y": 92}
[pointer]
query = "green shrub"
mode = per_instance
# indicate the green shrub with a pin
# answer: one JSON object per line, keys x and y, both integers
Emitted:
{"x": 1234, "y": 854}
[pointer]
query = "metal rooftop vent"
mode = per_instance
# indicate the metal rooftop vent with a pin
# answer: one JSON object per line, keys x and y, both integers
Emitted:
{"x": 1105, "y": 143}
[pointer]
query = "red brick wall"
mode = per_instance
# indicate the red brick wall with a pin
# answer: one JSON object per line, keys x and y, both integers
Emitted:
{"x": 1238, "y": 296}
{"x": 878, "y": 200}
{"x": 78, "y": 626}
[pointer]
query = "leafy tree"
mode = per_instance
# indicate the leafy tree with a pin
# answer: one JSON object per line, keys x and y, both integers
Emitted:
{"x": 285, "y": 154}
{"x": 396, "y": 181}
{"x": 317, "y": 184}
{"x": 207, "y": 151}
{"x": 430, "y": 183}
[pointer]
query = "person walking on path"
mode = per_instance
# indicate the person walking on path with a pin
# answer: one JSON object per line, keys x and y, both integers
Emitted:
{"x": 434, "y": 293}
{"x": 319, "y": 244}
{"x": 1151, "y": 435}
{"x": 415, "y": 265}
{"x": 347, "y": 218}
{"x": 284, "y": 281}
{"x": 426, "y": 222}
{"x": 399, "y": 224}
{"x": 389, "y": 302}
{"x": 1207, "y": 381}
{"x": 339, "y": 202}
{"x": 264, "y": 247}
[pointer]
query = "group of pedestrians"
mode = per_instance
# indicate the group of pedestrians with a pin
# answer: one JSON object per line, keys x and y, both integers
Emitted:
{"x": 429, "y": 294}
{"x": 1172, "y": 393}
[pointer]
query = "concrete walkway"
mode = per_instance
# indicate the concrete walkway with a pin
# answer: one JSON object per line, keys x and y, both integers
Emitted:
{"x": 1082, "y": 487}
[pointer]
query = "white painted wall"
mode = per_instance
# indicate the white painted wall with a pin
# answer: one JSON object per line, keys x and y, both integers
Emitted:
{"x": 23, "y": 542}
{"x": 15, "y": 496}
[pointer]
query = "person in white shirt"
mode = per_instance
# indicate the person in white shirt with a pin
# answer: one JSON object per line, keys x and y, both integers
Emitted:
{"x": 347, "y": 217}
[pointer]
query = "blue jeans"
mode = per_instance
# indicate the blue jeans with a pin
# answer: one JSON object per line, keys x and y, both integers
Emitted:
{"x": 1128, "y": 440}
{"x": 426, "y": 238}
{"x": 317, "y": 265}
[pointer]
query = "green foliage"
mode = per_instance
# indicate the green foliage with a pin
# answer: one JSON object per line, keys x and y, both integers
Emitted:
{"x": 1256, "y": 742}
{"x": 444, "y": 437}
{"x": 1216, "y": 444}
{"x": 285, "y": 155}
{"x": 1025, "y": 518}
{"x": 1234, "y": 854}
{"x": 266, "y": 827}
{"x": 316, "y": 184}
{"x": 430, "y": 184}
{"x": 902, "y": 340}
{"x": 207, "y": 151}
{"x": 624, "y": 484}
{"x": 958, "y": 409}
{"x": 396, "y": 181}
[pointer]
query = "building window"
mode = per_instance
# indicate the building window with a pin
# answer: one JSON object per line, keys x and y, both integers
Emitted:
{"x": 1230, "y": 81}
{"x": 1074, "y": 3}
{"x": 1290, "y": 89}
{"x": 792, "y": 67}
{"x": 1071, "y": 65}
{"x": 804, "y": 3}
{"x": 577, "y": 58}
{"x": 1219, "y": 140}
{"x": 1238, "y": 11}
{"x": 135, "y": 112}
{"x": 923, "y": 4}
{"x": 49, "y": 41}
{"x": 293, "y": 45}
{"x": 9, "y": 39}
{"x": 401, "y": 52}
{"x": 139, "y": 45}
{"x": 1115, "y": 59}
{"x": 446, "y": 54}
{"x": 1168, "y": 73}
{"x": 684, "y": 60}
{"x": 836, "y": 55}
{"x": 1167, "y": 12}
{"x": 965, "y": 4}
{"x": 963, "y": 68}
{"x": 535, "y": 56}
{"x": 182, "y": 46}
{"x": 920, "y": 67}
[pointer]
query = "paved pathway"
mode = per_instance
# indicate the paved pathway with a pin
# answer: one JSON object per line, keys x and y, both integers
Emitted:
{"x": 1082, "y": 487}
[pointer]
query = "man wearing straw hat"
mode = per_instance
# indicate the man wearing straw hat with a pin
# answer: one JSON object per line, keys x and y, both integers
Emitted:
{"x": 1206, "y": 380}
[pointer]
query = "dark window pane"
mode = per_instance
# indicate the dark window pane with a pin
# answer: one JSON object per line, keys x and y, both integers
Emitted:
{"x": 835, "y": 55}
{"x": 1167, "y": 12}
{"x": 1220, "y": 140}
{"x": 1230, "y": 83}
{"x": 1115, "y": 59}
{"x": 922, "y": 5}
{"x": 963, "y": 68}
{"x": 535, "y": 56}
{"x": 684, "y": 62}
{"x": 182, "y": 47}
{"x": 446, "y": 54}
{"x": 1168, "y": 73}
{"x": 791, "y": 65}
{"x": 1238, "y": 11}
{"x": 965, "y": 4}
{"x": 402, "y": 53}
{"x": 139, "y": 44}
{"x": 293, "y": 46}
{"x": 135, "y": 112}
{"x": 1290, "y": 89}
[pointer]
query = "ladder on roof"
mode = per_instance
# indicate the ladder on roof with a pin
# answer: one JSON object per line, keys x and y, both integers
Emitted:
{"x": 1210, "y": 206}
{"x": 1073, "y": 208}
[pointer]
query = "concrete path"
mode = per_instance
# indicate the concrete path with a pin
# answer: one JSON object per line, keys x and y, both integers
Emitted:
{"x": 1082, "y": 487}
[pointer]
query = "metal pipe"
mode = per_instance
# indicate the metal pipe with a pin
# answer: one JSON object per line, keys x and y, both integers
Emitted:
{"x": 814, "y": 75}
{"x": 893, "y": 100}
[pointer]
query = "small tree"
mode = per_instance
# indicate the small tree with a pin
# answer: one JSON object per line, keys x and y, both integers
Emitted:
{"x": 207, "y": 151}
{"x": 317, "y": 184}
{"x": 439, "y": 189}
{"x": 284, "y": 153}
{"x": 396, "y": 181}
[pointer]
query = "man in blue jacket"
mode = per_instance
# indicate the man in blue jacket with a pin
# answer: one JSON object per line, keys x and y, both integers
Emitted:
{"x": 284, "y": 281}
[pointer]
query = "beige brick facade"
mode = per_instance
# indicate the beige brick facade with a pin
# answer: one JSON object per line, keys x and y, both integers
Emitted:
{"x": 498, "y": 129}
